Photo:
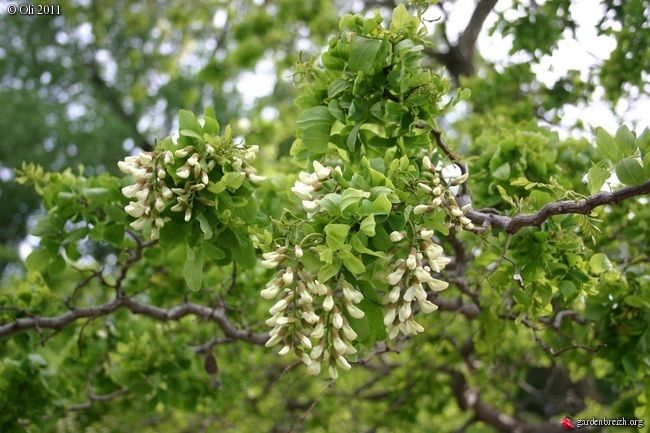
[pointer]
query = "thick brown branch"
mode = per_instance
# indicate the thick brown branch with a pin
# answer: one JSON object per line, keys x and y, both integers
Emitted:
{"x": 164, "y": 314}
{"x": 584, "y": 207}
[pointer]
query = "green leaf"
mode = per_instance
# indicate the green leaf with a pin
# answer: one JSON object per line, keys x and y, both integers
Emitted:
{"x": 37, "y": 260}
{"x": 625, "y": 141}
{"x": 630, "y": 172}
{"x": 646, "y": 164}
{"x": 353, "y": 263}
{"x": 187, "y": 121}
{"x": 328, "y": 271}
{"x": 596, "y": 177}
{"x": 212, "y": 251}
{"x": 331, "y": 203}
{"x": 502, "y": 172}
{"x": 337, "y": 86}
{"x": 375, "y": 316}
{"x": 193, "y": 268}
{"x": 363, "y": 52}
{"x": 189, "y": 133}
{"x": 315, "y": 125}
{"x": 205, "y": 226}
{"x": 335, "y": 235}
{"x": 599, "y": 263}
{"x": 243, "y": 252}
{"x": 352, "y": 196}
{"x": 233, "y": 180}
{"x": 359, "y": 247}
{"x": 606, "y": 146}
{"x": 368, "y": 225}
{"x": 380, "y": 206}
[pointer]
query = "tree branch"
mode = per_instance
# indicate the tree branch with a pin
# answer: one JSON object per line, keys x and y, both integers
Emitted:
{"x": 469, "y": 398}
{"x": 164, "y": 314}
{"x": 584, "y": 207}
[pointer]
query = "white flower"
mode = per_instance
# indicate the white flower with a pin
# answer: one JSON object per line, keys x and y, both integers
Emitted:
{"x": 459, "y": 180}
{"x": 313, "y": 369}
{"x": 350, "y": 294}
{"x": 465, "y": 221}
{"x": 302, "y": 190}
{"x": 393, "y": 295}
{"x": 307, "y": 178}
{"x": 130, "y": 190}
{"x": 389, "y": 318}
{"x": 404, "y": 311}
{"x": 349, "y": 332}
{"x": 321, "y": 171}
{"x": 285, "y": 350}
{"x": 310, "y": 317}
{"x": 139, "y": 223}
{"x": 426, "y": 163}
{"x": 427, "y": 306}
{"x": 339, "y": 345}
{"x": 411, "y": 261}
{"x": 317, "y": 351}
{"x": 337, "y": 320}
{"x": 188, "y": 214}
{"x": 437, "y": 285}
{"x": 288, "y": 276}
{"x": 125, "y": 167}
{"x": 183, "y": 172}
{"x": 394, "y": 277}
{"x": 304, "y": 340}
{"x": 425, "y": 187}
{"x": 160, "y": 204}
{"x": 142, "y": 194}
{"x": 167, "y": 193}
{"x": 342, "y": 362}
{"x": 310, "y": 205}
{"x": 269, "y": 264}
{"x": 328, "y": 303}
{"x": 397, "y": 236}
{"x": 273, "y": 340}
{"x": 426, "y": 234}
{"x": 318, "y": 331}
{"x": 421, "y": 208}
{"x": 135, "y": 209}
{"x": 271, "y": 291}
{"x": 333, "y": 372}
{"x": 281, "y": 305}
{"x": 298, "y": 251}
{"x": 354, "y": 311}
{"x": 255, "y": 178}
{"x": 456, "y": 212}
{"x": 168, "y": 157}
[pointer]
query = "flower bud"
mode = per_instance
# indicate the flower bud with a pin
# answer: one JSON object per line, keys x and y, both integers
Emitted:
{"x": 397, "y": 236}
{"x": 421, "y": 208}
{"x": 354, "y": 311}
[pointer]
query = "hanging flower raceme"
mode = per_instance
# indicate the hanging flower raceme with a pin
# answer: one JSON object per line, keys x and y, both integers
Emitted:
{"x": 185, "y": 177}
{"x": 307, "y": 318}
{"x": 308, "y": 187}
{"x": 408, "y": 280}
{"x": 440, "y": 195}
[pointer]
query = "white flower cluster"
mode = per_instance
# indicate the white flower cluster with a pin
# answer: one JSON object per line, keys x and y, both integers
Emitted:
{"x": 440, "y": 195}
{"x": 307, "y": 319}
{"x": 308, "y": 185}
{"x": 155, "y": 189}
{"x": 408, "y": 279}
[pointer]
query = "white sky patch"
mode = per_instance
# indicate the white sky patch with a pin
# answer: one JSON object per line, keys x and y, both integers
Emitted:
{"x": 258, "y": 83}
